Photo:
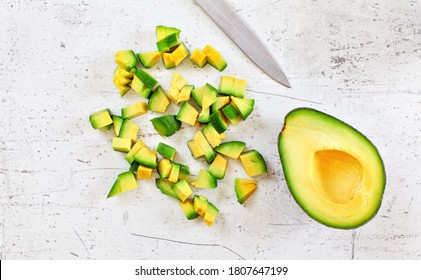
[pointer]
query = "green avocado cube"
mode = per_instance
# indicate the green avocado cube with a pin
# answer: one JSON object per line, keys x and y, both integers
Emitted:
{"x": 218, "y": 167}
{"x": 205, "y": 180}
{"x": 187, "y": 114}
{"x": 166, "y": 151}
{"x": 158, "y": 101}
{"x": 126, "y": 59}
{"x": 188, "y": 209}
{"x": 243, "y": 105}
{"x": 128, "y": 130}
{"x": 117, "y": 122}
{"x": 121, "y": 144}
{"x": 101, "y": 119}
{"x": 164, "y": 31}
{"x": 244, "y": 188}
{"x": 146, "y": 158}
{"x": 200, "y": 139}
{"x": 165, "y": 187}
{"x": 167, "y": 43}
{"x": 174, "y": 175}
{"x": 210, "y": 214}
{"x": 231, "y": 149}
{"x": 204, "y": 116}
{"x": 200, "y": 204}
{"x": 134, "y": 150}
{"x": 221, "y": 102}
{"x": 139, "y": 87}
{"x": 253, "y": 163}
{"x": 218, "y": 122}
{"x": 125, "y": 182}
{"x": 164, "y": 168}
{"x": 146, "y": 78}
{"x": 149, "y": 59}
{"x": 166, "y": 125}
{"x": 182, "y": 190}
{"x": 134, "y": 110}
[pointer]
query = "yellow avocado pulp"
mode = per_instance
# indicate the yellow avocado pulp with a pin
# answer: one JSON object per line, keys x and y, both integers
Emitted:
{"x": 337, "y": 175}
{"x": 333, "y": 171}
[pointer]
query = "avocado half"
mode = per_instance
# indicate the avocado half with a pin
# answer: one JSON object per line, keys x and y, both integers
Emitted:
{"x": 332, "y": 170}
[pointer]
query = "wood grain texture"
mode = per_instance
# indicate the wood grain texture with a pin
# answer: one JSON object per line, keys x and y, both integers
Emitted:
{"x": 357, "y": 60}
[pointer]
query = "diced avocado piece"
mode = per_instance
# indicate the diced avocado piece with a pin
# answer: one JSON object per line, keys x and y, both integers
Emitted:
{"x": 195, "y": 149}
{"x": 226, "y": 85}
{"x": 239, "y": 88}
{"x": 134, "y": 150}
{"x": 215, "y": 58}
{"x": 218, "y": 167}
{"x": 204, "y": 116}
{"x": 178, "y": 81}
{"x": 165, "y": 187}
{"x": 199, "y": 58}
{"x": 185, "y": 93}
{"x": 205, "y": 180}
{"x": 128, "y": 130}
{"x": 146, "y": 78}
{"x": 232, "y": 86}
{"x": 232, "y": 114}
{"x": 149, "y": 59}
{"x": 208, "y": 96}
{"x": 146, "y": 157}
{"x": 117, "y": 122}
{"x": 188, "y": 209}
{"x": 214, "y": 138}
{"x": 179, "y": 54}
{"x": 231, "y": 149}
{"x": 243, "y": 105}
{"x": 126, "y": 59}
{"x": 158, "y": 101}
{"x": 121, "y": 144}
{"x": 204, "y": 145}
{"x": 144, "y": 172}
{"x": 166, "y": 125}
{"x": 120, "y": 80}
{"x": 253, "y": 163}
{"x": 173, "y": 95}
{"x": 167, "y": 43}
{"x": 101, "y": 119}
{"x": 200, "y": 204}
{"x": 134, "y": 167}
{"x": 160, "y": 32}
{"x": 125, "y": 182}
{"x": 168, "y": 60}
{"x": 197, "y": 94}
{"x": 244, "y": 188}
{"x": 123, "y": 89}
{"x": 221, "y": 101}
{"x": 182, "y": 190}
{"x": 139, "y": 87}
{"x": 174, "y": 173}
{"x": 164, "y": 168}
{"x": 184, "y": 172}
{"x": 166, "y": 151}
{"x": 210, "y": 214}
{"x": 164, "y": 31}
{"x": 187, "y": 114}
{"x": 134, "y": 110}
{"x": 218, "y": 122}
{"x": 122, "y": 72}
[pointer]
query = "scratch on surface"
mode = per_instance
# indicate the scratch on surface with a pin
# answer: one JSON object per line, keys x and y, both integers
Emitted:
{"x": 285, "y": 96}
{"x": 83, "y": 243}
{"x": 353, "y": 245}
{"x": 189, "y": 243}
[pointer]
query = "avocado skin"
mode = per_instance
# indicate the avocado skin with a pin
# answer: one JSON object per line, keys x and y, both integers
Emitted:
{"x": 288, "y": 180}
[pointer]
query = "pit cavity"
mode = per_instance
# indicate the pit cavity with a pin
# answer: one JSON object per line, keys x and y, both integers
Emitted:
{"x": 337, "y": 175}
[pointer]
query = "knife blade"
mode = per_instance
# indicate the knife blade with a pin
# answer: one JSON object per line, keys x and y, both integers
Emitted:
{"x": 221, "y": 12}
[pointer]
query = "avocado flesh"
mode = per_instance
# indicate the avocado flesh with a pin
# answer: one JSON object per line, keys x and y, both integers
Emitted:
{"x": 333, "y": 171}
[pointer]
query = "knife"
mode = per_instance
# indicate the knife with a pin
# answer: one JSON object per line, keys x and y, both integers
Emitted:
{"x": 243, "y": 36}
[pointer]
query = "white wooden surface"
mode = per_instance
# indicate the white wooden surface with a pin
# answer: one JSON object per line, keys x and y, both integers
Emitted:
{"x": 357, "y": 60}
